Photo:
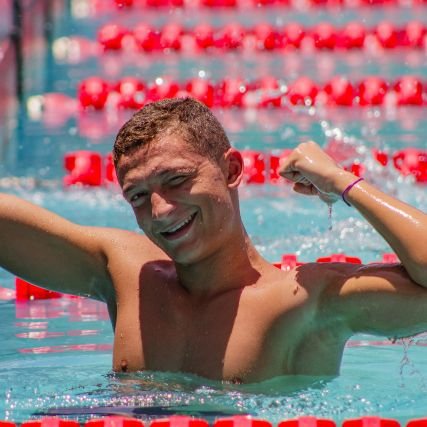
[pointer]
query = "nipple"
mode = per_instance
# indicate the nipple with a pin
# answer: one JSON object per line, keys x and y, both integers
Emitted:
{"x": 124, "y": 365}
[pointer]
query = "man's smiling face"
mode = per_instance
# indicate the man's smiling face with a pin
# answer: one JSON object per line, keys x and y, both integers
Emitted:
{"x": 180, "y": 197}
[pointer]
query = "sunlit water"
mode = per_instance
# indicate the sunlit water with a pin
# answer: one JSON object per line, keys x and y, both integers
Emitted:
{"x": 55, "y": 355}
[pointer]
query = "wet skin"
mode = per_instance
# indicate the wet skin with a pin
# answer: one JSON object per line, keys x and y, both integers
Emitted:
{"x": 214, "y": 312}
{"x": 212, "y": 325}
{"x": 194, "y": 295}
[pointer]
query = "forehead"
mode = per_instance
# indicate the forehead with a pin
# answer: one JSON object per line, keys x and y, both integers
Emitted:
{"x": 168, "y": 153}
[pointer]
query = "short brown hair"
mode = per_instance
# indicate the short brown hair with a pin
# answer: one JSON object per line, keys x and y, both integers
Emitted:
{"x": 184, "y": 116}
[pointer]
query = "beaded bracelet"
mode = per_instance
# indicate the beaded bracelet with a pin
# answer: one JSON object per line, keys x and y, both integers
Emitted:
{"x": 348, "y": 188}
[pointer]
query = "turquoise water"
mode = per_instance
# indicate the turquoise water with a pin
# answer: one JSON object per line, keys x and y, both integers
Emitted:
{"x": 55, "y": 355}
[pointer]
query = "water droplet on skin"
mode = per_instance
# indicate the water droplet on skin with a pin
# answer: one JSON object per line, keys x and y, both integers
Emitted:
{"x": 330, "y": 216}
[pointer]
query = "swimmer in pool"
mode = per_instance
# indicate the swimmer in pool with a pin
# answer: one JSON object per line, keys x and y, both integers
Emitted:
{"x": 192, "y": 294}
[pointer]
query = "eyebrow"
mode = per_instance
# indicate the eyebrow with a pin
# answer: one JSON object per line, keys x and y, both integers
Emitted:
{"x": 185, "y": 169}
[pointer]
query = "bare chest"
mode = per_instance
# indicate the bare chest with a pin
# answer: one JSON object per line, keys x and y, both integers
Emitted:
{"x": 218, "y": 343}
{"x": 246, "y": 335}
{"x": 238, "y": 336}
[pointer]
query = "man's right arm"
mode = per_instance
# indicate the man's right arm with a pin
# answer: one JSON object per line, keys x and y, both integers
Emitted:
{"x": 52, "y": 252}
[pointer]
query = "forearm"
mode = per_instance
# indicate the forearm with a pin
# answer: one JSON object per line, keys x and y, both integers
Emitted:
{"x": 402, "y": 226}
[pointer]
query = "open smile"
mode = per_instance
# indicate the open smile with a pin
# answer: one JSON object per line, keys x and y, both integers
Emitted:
{"x": 179, "y": 229}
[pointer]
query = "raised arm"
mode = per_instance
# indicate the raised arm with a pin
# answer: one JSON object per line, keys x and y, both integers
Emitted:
{"x": 402, "y": 226}
{"x": 52, "y": 252}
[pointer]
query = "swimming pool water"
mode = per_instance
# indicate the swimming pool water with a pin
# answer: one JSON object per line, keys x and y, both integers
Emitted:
{"x": 57, "y": 354}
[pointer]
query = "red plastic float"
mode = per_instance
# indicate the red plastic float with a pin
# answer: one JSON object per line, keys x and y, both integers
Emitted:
{"x": 372, "y": 421}
{"x": 27, "y": 291}
{"x": 93, "y": 93}
{"x": 288, "y": 262}
{"x": 132, "y": 93}
{"x": 409, "y": 91}
{"x": 412, "y": 161}
{"x": 230, "y": 37}
{"x": 253, "y": 167}
{"x": 275, "y": 160}
{"x": 84, "y": 167}
{"x": 204, "y": 36}
{"x": 415, "y": 34}
{"x": 340, "y": 258}
{"x": 146, "y": 37}
{"x": 307, "y": 421}
{"x": 170, "y": 36}
{"x": 324, "y": 36}
{"x": 390, "y": 258}
{"x": 202, "y": 90}
{"x": 110, "y": 171}
{"x": 372, "y": 91}
{"x": 219, "y": 3}
{"x": 179, "y": 421}
{"x": 421, "y": 422}
{"x": 302, "y": 91}
{"x": 352, "y": 36}
{"x": 50, "y": 422}
{"x": 340, "y": 91}
{"x": 267, "y": 38}
{"x": 162, "y": 87}
{"x": 356, "y": 168}
{"x": 268, "y": 93}
{"x": 120, "y": 4}
{"x": 230, "y": 92}
{"x": 380, "y": 156}
{"x": 387, "y": 35}
{"x": 110, "y": 36}
{"x": 114, "y": 421}
{"x": 293, "y": 35}
{"x": 241, "y": 421}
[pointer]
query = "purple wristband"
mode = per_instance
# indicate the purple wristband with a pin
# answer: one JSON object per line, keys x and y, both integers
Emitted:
{"x": 348, "y": 188}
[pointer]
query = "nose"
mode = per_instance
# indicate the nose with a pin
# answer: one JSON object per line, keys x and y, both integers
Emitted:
{"x": 160, "y": 206}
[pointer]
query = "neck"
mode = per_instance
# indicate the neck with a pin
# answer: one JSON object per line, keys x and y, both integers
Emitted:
{"x": 236, "y": 265}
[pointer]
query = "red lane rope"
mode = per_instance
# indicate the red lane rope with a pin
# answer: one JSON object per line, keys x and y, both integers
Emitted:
{"x": 263, "y": 37}
{"x": 243, "y": 4}
{"x": 26, "y": 291}
{"x": 91, "y": 168}
{"x": 230, "y": 421}
{"x": 132, "y": 93}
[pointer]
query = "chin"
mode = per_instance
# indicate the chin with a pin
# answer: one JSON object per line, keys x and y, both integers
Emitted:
{"x": 187, "y": 257}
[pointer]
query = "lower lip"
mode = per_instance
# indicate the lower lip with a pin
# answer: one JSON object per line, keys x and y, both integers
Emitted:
{"x": 181, "y": 232}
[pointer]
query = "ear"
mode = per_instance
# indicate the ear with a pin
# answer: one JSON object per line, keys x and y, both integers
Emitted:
{"x": 233, "y": 167}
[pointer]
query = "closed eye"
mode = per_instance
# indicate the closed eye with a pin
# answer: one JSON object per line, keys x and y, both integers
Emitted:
{"x": 137, "y": 199}
{"x": 177, "y": 180}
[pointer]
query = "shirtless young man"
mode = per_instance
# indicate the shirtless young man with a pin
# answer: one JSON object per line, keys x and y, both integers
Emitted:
{"x": 193, "y": 294}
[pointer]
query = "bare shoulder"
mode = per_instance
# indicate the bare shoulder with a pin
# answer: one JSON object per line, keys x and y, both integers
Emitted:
{"x": 345, "y": 280}
{"x": 374, "y": 298}
{"x": 115, "y": 242}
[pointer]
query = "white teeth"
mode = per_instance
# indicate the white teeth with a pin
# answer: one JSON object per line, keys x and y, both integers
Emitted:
{"x": 177, "y": 227}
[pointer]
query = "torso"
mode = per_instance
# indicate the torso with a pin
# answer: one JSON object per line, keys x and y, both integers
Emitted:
{"x": 250, "y": 334}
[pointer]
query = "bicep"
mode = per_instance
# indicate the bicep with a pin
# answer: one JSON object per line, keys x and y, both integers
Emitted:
{"x": 50, "y": 251}
{"x": 378, "y": 299}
